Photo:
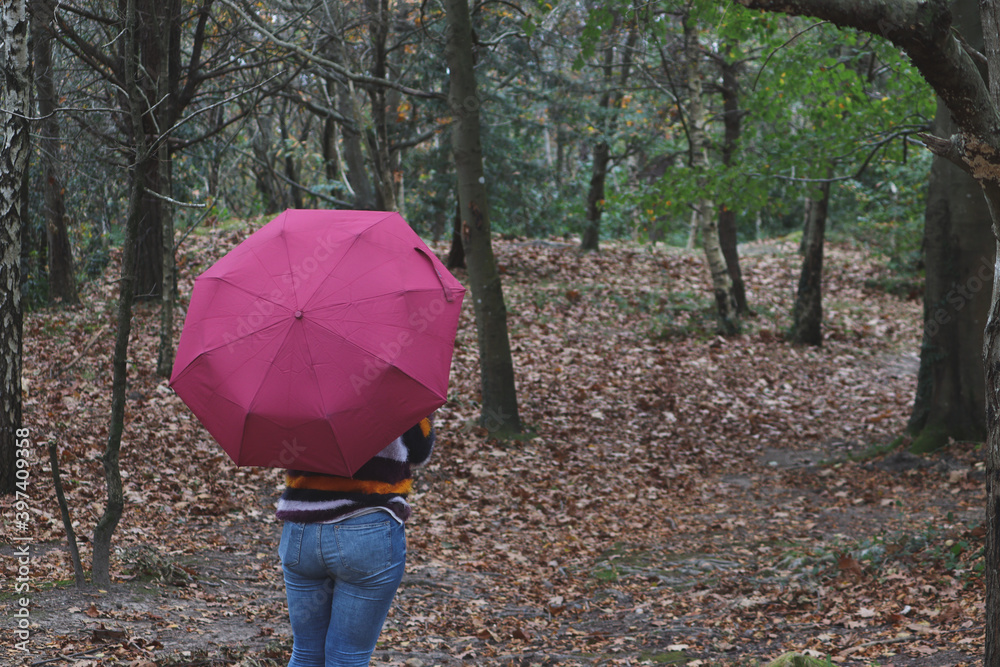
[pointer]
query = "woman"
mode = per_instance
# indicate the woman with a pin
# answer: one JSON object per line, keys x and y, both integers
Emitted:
{"x": 343, "y": 549}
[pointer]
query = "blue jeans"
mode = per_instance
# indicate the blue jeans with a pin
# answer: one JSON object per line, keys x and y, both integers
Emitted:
{"x": 340, "y": 579}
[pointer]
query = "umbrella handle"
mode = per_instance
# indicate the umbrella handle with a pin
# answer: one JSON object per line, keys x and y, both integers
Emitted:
{"x": 447, "y": 295}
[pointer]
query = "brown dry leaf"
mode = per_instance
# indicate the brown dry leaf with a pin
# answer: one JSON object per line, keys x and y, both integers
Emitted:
{"x": 645, "y": 486}
{"x": 850, "y": 566}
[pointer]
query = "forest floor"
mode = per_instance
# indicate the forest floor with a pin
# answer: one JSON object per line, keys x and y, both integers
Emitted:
{"x": 684, "y": 499}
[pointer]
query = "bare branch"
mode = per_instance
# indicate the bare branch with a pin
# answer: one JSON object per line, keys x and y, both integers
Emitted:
{"x": 171, "y": 200}
{"x": 329, "y": 64}
{"x": 950, "y": 149}
{"x": 169, "y": 131}
{"x": 282, "y": 177}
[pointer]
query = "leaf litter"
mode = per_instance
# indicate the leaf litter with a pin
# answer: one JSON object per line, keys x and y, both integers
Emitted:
{"x": 682, "y": 498}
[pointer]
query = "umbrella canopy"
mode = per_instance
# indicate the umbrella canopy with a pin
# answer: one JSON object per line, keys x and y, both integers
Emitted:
{"x": 318, "y": 340}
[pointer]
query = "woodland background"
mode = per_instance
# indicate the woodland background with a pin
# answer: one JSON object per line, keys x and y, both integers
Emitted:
{"x": 631, "y": 153}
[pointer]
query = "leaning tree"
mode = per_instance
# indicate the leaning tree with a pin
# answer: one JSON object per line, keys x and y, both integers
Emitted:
{"x": 962, "y": 78}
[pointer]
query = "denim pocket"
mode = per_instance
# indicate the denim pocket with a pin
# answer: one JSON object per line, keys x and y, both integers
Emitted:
{"x": 290, "y": 546}
{"x": 365, "y": 548}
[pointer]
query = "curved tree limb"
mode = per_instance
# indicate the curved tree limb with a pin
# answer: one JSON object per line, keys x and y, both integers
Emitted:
{"x": 924, "y": 31}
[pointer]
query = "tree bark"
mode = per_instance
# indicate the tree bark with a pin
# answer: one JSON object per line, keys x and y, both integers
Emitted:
{"x": 595, "y": 197}
{"x": 165, "y": 352}
{"x": 990, "y": 16}
{"x": 354, "y": 156}
{"x": 62, "y": 282}
{"x": 331, "y": 158}
{"x": 950, "y": 400}
{"x": 499, "y": 398}
{"x": 155, "y": 19}
{"x": 13, "y": 162}
{"x": 456, "y": 255}
{"x": 807, "y": 314}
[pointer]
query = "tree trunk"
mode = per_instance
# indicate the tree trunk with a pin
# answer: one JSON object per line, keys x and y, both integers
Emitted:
{"x": 165, "y": 352}
{"x": 291, "y": 167}
{"x": 331, "y": 160}
{"x": 959, "y": 257}
{"x": 62, "y": 283}
{"x": 499, "y": 398}
{"x": 595, "y": 197}
{"x": 692, "y": 241}
{"x": 807, "y": 314}
{"x": 270, "y": 191}
{"x": 13, "y": 162}
{"x": 722, "y": 284}
{"x": 609, "y": 105}
{"x": 729, "y": 243}
{"x": 727, "y": 217}
{"x": 990, "y": 20}
{"x": 991, "y": 352}
{"x": 354, "y": 156}
{"x": 141, "y": 164}
{"x": 456, "y": 255}
{"x": 378, "y": 135}
{"x": 155, "y": 21}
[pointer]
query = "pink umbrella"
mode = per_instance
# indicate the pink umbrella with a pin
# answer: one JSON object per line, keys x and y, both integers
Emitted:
{"x": 318, "y": 340}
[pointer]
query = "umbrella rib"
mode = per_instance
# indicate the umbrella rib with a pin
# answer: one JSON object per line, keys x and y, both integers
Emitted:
{"x": 364, "y": 351}
{"x": 288, "y": 257}
{"x": 262, "y": 297}
{"x": 319, "y": 385}
{"x": 227, "y": 343}
{"x": 375, "y": 297}
{"x": 250, "y": 405}
{"x": 354, "y": 242}
{"x": 332, "y": 270}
